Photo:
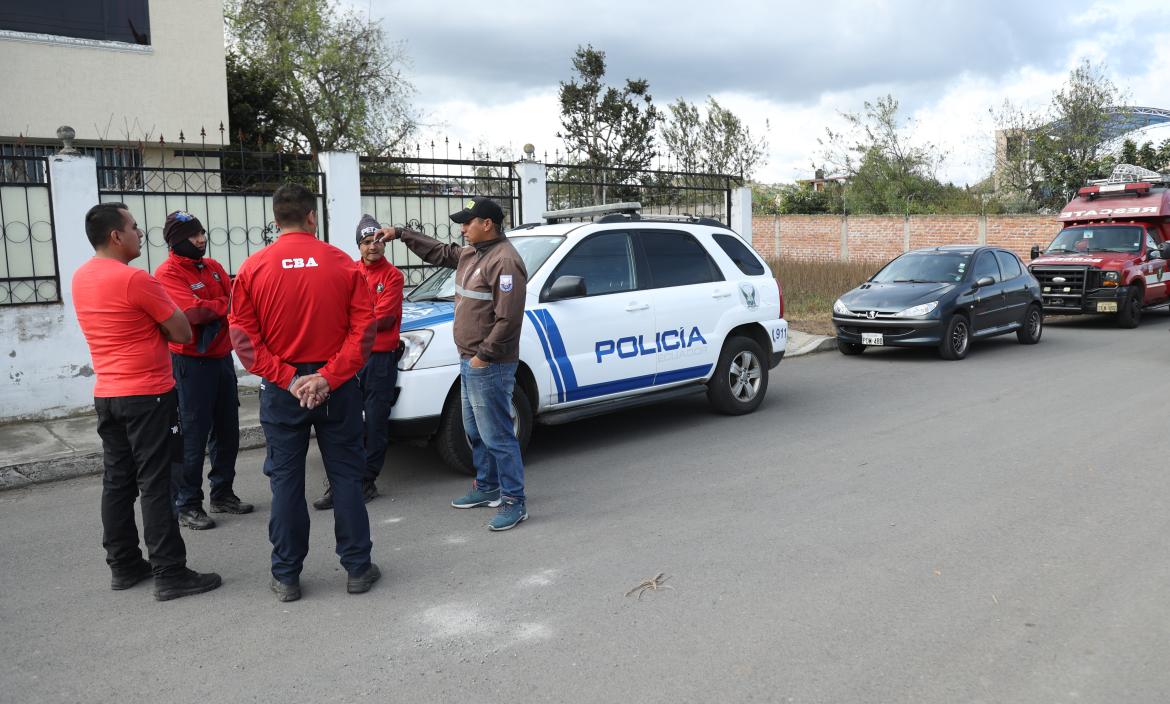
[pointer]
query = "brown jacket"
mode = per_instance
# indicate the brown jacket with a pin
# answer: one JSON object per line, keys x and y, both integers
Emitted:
{"x": 490, "y": 286}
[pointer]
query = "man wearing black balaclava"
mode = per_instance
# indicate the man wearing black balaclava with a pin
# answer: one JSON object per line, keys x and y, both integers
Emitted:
{"x": 205, "y": 375}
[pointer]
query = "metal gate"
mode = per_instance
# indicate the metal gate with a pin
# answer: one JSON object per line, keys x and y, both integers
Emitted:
{"x": 421, "y": 192}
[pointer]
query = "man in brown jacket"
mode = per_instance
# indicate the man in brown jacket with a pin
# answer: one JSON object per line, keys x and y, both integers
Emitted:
{"x": 490, "y": 285}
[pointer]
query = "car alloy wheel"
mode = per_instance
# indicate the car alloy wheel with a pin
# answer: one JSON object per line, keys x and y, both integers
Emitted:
{"x": 744, "y": 374}
{"x": 960, "y": 338}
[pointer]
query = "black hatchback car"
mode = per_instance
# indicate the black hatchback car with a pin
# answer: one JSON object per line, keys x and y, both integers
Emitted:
{"x": 942, "y": 297}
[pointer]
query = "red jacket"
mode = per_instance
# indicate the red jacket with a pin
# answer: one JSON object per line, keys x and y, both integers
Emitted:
{"x": 385, "y": 282}
{"x": 301, "y": 300}
{"x": 202, "y": 290}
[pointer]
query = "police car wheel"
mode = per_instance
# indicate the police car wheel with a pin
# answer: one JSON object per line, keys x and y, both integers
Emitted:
{"x": 741, "y": 378}
{"x": 451, "y": 440}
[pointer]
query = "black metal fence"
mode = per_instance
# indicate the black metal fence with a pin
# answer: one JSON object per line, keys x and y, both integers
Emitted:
{"x": 421, "y": 187}
{"x": 661, "y": 192}
{"x": 29, "y": 272}
{"x": 228, "y": 189}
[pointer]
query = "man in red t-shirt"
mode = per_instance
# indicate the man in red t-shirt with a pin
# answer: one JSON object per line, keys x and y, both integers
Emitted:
{"x": 127, "y": 319}
{"x": 205, "y": 375}
{"x": 302, "y": 320}
{"x": 378, "y": 376}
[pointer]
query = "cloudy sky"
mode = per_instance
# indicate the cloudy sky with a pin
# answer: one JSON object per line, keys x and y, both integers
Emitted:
{"x": 488, "y": 73}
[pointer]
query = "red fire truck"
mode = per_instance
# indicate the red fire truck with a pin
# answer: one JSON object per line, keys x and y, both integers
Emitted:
{"x": 1111, "y": 255}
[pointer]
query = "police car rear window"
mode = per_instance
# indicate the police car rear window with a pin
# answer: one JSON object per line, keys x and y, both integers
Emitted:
{"x": 677, "y": 259}
{"x": 743, "y": 257}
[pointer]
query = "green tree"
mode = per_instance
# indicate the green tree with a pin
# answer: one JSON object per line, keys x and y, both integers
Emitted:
{"x": 1059, "y": 150}
{"x": 718, "y": 142}
{"x": 336, "y": 83}
{"x": 251, "y": 96}
{"x": 604, "y": 126}
{"x": 1147, "y": 156}
{"x": 886, "y": 170}
{"x": 1129, "y": 152}
{"x": 801, "y": 199}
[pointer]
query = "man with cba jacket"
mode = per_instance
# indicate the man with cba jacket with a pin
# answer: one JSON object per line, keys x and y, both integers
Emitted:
{"x": 302, "y": 320}
{"x": 490, "y": 284}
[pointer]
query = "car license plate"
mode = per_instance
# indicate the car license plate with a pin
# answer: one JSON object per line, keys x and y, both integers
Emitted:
{"x": 872, "y": 338}
{"x": 1104, "y": 307}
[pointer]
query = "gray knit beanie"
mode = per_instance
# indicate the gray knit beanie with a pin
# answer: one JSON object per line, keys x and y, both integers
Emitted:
{"x": 367, "y": 226}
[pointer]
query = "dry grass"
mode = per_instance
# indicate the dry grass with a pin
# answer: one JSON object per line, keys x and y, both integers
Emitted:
{"x": 811, "y": 287}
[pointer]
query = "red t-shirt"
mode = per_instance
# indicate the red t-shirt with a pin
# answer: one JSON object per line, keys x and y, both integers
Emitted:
{"x": 385, "y": 282}
{"x": 301, "y": 300}
{"x": 119, "y": 308}
{"x": 202, "y": 290}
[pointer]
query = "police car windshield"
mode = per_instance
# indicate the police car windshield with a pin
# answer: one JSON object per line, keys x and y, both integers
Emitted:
{"x": 1097, "y": 239}
{"x": 924, "y": 267}
{"x": 534, "y": 250}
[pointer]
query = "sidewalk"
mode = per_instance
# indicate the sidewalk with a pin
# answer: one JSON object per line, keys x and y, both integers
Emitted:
{"x": 45, "y": 451}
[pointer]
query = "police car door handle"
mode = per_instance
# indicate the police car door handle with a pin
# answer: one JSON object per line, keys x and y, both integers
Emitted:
{"x": 631, "y": 307}
{"x": 721, "y": 294}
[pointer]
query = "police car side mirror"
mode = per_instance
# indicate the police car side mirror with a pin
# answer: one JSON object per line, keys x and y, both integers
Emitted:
{"x": 566, "y": 287}
{"x": 1035, "y": 251}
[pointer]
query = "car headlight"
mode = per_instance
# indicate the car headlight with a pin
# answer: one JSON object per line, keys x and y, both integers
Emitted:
{"x": 917, "y": 311}
{"x": 1112, "y": 276}
{"x": 839, "y": 308}
{"x": 416, "y": 342}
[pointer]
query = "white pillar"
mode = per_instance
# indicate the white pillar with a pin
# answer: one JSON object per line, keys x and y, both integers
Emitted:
{"x": 74, "y": 192}
{"x": 343, "y": 198}
{"x": 741, "y": 212}
{"x": 533, "y": 191}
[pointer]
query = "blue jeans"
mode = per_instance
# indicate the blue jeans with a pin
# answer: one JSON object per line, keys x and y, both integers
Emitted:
{"x": 377, "y": 379}
{"x": 209, "y": 410}
{"x": 339, "y": 437}
{"x": 487, "y": 420}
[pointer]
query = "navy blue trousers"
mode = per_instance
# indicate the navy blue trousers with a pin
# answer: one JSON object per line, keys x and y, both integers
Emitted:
{"x": 377, "y": 379}
{"x": 209, "y": 407}
{"x": 339, "y": 437}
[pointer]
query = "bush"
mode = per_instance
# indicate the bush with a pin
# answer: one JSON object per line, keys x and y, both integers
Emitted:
{"x": 810, "y": 287}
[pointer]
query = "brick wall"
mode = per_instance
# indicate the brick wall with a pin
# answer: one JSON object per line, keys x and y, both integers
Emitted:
{"x": 883, "y": 237}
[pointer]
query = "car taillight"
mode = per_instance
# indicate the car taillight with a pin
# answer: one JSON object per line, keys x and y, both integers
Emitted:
{"x": 780, "y": 290}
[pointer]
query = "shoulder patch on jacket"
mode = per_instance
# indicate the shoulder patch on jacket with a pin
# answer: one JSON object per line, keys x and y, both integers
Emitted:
{"x": 505, "y": 282}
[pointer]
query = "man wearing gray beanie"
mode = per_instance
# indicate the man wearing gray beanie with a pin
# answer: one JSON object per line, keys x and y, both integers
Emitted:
{"x": 380, "y": 373}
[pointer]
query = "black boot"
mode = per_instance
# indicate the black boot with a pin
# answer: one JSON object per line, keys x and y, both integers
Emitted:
{"x": 186, "y": 583}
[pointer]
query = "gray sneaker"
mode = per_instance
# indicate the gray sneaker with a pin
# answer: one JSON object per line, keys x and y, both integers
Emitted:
{"x": 476, "y": 498}
{"x": 511, "y": 514}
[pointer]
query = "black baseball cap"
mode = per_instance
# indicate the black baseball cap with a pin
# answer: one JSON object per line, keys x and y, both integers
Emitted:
{"x": 480, "y": 207}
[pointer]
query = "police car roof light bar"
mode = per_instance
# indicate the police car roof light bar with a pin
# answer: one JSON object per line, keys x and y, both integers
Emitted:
{"x": 589, "y": 211}
{"x": 683, "y": 217}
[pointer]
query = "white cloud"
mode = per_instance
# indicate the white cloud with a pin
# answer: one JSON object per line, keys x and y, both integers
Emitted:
{"x": 489, "y": 75}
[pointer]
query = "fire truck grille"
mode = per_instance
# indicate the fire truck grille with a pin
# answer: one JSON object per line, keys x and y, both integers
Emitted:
{"x": 1064, "y": 282}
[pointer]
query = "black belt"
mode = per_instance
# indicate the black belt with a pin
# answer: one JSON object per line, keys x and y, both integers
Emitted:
{"x": 307, "y": 367}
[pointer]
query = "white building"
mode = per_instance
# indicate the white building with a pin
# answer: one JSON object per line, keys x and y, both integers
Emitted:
{"x": 117, "y": 71}
{"x": 123, "y": 74}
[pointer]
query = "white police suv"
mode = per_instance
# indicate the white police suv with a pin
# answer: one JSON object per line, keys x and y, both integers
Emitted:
{"x": 621, "y": 311}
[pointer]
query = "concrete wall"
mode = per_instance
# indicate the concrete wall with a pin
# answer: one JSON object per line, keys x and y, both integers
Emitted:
{"x": 883, "y": 237}
{"x": 113, "y": 91}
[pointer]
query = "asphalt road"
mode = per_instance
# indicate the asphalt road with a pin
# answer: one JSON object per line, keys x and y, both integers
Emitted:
{"x": 886, "y": 528}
